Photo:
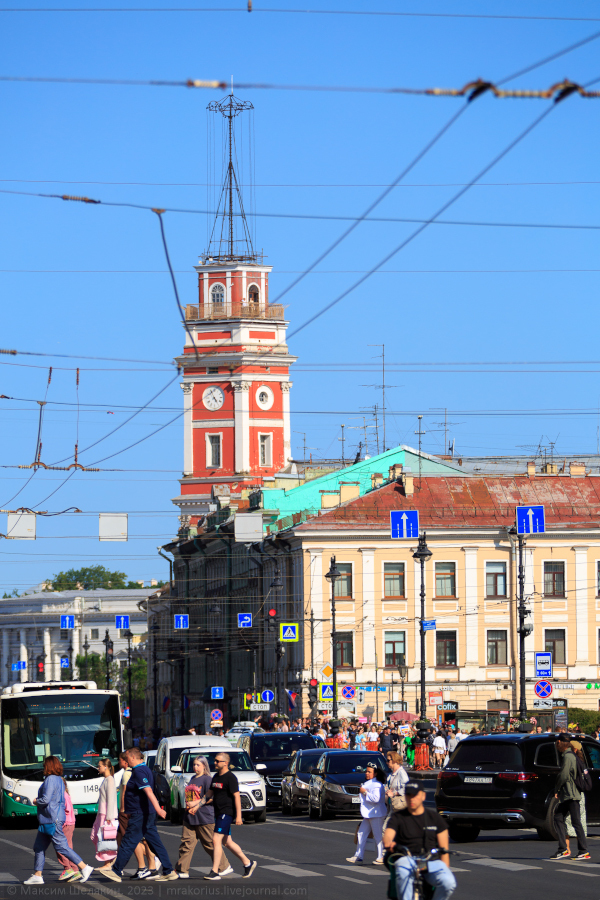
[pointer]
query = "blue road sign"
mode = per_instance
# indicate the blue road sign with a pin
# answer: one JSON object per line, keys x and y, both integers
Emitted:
{"x": 288, "y": 632}
{"x": 543, "y": 665}
{"x": 530, "y": 520}
{"x": 16, "y": 667}
{"x": 428, "y": 624}
{"x": 543, "y": 689}
{"x": 181, "y": 622}
{"x": 64, "y": 662}
{"x": 217, "y": 693}
{"x": 67, "y": 622}
{"x": 244, "y": 620}
{"x": 348, "y": 692}
{"x": 216, "y": 714}
{"x": 404, "y": 523}
{"x": 325, "y": 692}
{"x": 122, "y": 622}
{"x": 267, "y": 696}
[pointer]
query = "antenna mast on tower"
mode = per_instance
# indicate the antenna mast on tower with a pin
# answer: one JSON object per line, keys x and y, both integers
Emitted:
{"x": 224, "y": 245}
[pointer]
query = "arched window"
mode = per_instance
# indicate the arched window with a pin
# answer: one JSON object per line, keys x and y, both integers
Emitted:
{"x": 253, "y": 294}
{"x": 217, "y": 294}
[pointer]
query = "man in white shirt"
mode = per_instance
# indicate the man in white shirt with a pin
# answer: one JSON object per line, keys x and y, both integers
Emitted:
{"x": 439, "y": 749}
{"x": 460, "y": 735}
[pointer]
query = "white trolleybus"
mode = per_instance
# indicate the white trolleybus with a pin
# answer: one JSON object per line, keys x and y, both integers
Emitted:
{"x": 72, "y": 720}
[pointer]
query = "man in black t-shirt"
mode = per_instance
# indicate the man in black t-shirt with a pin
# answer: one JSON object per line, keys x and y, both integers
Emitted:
{"x": 420, "y": 831}
{"x": 224, "y": 792}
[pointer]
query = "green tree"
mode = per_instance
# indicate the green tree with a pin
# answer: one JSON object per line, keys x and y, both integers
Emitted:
{"x": 139, "y": 670}
{"x": 88, "y": 578}
{"x": 95, "y": 670}
{"x": 588, "y": 719}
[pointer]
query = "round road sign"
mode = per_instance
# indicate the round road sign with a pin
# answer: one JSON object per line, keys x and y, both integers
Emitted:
{"x": 543, "y": 689}
{"x": 216, "y": 714}
{"x": 268, "y": 696}
{"x": 348, "y": 692}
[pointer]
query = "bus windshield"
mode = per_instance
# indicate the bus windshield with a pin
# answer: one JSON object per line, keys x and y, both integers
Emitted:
{"x": 78, "y": 729}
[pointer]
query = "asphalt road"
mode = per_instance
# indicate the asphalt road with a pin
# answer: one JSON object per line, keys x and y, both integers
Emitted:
{"x": 300, "y": 858}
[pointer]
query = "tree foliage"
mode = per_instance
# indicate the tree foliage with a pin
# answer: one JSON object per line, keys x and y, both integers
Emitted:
{"x": 95, "y": 670}
{"x": 90, "y": 578}
{"x": 587, "y": 719}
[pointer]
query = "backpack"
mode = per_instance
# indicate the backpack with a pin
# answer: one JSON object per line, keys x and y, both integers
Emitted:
{"x": 583, "y": 779}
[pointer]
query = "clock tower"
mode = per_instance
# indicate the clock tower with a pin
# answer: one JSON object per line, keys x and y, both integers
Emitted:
{"x": 235, "y": 361}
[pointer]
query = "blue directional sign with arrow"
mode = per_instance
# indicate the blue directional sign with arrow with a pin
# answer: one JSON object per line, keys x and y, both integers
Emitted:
{"x": 267, "y": 696}
{"x": 217, "y": 693}
{"x": 404, "y": 523}
{"x": 67, "y": 622}
{"x": 244, "y": 620}
{"x": 122, "y": 622}
{"x": 530, "y": 520}
{"x": 181, "y": 622}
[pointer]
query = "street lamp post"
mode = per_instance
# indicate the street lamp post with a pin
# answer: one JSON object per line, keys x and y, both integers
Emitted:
{"x": 522, "y": 629}
{"x": 129, "y": 635}
{"x": 155, "y": 628}
{"x": 109, "y": 656}
{"x": 422, "y": 554}
{"x": 276, "y": 586}
{"x": 332, "y": 576}
{"x": 70, "y": 652}
{"x": 86, "y": 647}
{"x": 402, "y": 672}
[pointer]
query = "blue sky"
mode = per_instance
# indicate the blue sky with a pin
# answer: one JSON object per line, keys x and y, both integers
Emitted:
{"x": 91, "y": 280}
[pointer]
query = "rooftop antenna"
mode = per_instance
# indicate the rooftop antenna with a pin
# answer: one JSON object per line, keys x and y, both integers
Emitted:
{"x": 223, "y": 243}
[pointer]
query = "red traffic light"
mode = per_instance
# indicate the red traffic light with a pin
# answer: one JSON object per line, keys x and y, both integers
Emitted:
{"x": 313, "y": 682}
{"x": 272, "y": 613}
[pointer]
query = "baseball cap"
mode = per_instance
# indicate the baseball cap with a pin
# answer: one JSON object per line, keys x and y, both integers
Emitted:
{"x": 412, "y": 788}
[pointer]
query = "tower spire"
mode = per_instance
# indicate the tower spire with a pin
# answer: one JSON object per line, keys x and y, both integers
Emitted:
{"x": 228, "y": 243}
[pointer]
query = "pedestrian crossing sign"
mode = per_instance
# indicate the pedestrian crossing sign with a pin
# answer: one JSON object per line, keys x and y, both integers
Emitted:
{"x": 325, "y": 692}
{"x": 289, "y": 632}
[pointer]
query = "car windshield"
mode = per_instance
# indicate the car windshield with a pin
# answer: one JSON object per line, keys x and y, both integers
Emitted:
{"x": 150, "y": 760}
{"x": 239, "y": 760}
{"x": 487, "y": 756}
{"x": 349, "y": 763}
{"x": 308, "y": 761}
{"x": 280, "y": 746}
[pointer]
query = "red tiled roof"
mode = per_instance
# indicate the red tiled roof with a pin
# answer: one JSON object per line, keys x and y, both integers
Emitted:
{"x": 470, "y": 501}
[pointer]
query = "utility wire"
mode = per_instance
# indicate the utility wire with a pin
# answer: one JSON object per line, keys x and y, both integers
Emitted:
{"x": 159, "y": 213}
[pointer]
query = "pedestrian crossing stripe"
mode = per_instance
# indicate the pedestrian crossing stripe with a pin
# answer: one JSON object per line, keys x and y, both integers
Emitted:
{"x": 289, "y": 632}
{"x": 326, "y": 691}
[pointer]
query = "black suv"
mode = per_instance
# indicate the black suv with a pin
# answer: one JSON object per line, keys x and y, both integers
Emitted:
{"x": 271, "y": 754}
{"x": 335, "y": 782}
{"x": 507, "y": 781}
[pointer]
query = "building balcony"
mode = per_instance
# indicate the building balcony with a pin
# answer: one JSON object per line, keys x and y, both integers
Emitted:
{"x": 234, "y": 310}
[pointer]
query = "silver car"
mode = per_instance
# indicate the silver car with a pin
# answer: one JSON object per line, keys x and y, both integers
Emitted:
{"x": 252, "y": 785}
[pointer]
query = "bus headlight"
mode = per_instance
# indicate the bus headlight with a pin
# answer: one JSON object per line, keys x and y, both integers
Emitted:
{"x": 18, "y": 798}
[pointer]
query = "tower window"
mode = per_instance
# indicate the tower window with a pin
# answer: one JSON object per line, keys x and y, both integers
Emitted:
{"x": 253, "y": 294}
{"x": 264, "y": 449}
{"x": 217, "y": 294}
{"x": 213, "y": 450}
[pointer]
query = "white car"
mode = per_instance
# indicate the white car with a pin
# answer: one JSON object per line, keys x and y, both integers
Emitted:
{"x": 168, "y": 752}
{"x": 253, "y": 793}
{"x": 240, "y": 728}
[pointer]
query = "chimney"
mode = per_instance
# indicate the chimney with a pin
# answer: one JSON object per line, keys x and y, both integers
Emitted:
{"x": 549, "y": 469}
{"x": 395, "y": 471}
{"x": 349, "y": 490}
{"x": 531, "y": 469}
{"x": 408, "y": 485}
{"x": 577, "y": 470}
{"x": 376, "y": 479}
{"x": 329, "y": 499}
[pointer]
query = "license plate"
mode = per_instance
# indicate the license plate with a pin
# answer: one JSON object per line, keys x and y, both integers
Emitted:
{"x": 477, "y": 779}
{"x": 356, "y": 799}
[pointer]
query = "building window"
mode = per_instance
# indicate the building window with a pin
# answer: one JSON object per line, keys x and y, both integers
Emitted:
{"x": 64, "y": 634}
{"x": 555, "y": 644}
{"x": 253, "y": 294}
{"x": 496, "y": 648}
{"x": 554, "y": 579}
{"x": 264, "y": 449}
{"x": 445, "y": 648}
{"x": 217, "y": 294}
{"x": 214, "y": 450}
{"x": 445, "y": 579}
{"x": 343, "y": 584}
{"x": 495, "y": 579}
{"x": 395, "y": 648}
{"x": 393, "y": 580}
{"x": 212, "y": 370}
{"x": 94, "y": 634}
{"x": 344, "y": 655}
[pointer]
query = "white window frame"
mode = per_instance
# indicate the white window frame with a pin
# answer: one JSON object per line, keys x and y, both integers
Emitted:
{"x": 250, "y": 286}
{"x": 393, "y": 562}
{"x": 445, "y": 562}
{"x": 268, "y": 463}
{"x": 566, "y": 631}
{"x": 506, "y": 630}
{"x": 551, "y": 597}
{"x": 506, "y": 576}
{"x": 224, "y": 289}
{"x": 207, "y": 437}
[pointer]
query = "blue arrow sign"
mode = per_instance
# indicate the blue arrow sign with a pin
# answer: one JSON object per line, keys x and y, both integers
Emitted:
{"x": 530, "y": 520}
{"x": 64, "y": 662}
{"x": 244, "y": 620}
{"x": 17, "y": 666}
{"x": 428, "y": 624}
{"x": 543, "y": 689}
{"x": 67, "y": 622}
{"x": 543, "y": 665}
{"x": 122, "y": 622}
{"x": 217, "y": 693}
{"x": 404, "y": 523}
{"x": 181, "y": 622}
{"x": 267, "y": 696}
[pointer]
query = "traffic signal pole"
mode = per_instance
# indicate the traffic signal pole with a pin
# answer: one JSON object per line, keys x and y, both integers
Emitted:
{"x": 522, "y": 632}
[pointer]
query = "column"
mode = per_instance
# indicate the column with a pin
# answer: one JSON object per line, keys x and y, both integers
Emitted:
{"x": 228, "y": 297}
{"x": 471, "y": 652}
{"x": 188, "y": 428}
{"x": 244, "y": 287}
{"x": 368, "y": 612}
{"x": 48, "y": 657}
{"x": 4, "y": 671}
{"x": 56, "y": 666}
{"x": 316, "y": 603}
{"x": 23, "y": 655}
{"x": 241, "y": 396}
{"x": 287, "y": 435}
{"x": 581, "y": 608}
{"x": 76, "y": 640}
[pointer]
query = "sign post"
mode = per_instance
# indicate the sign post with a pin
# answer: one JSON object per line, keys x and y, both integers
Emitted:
{"x": 529, "y": 520}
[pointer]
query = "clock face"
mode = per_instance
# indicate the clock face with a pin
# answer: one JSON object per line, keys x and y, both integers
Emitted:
{"x": 213, "y": 398}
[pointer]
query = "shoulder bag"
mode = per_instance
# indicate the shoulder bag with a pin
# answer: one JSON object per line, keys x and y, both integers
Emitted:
{"x": 47, "y": 828}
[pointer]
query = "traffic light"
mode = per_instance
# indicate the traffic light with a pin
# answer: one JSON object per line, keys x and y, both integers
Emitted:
{"x": 110, "y": 650}
{"x": 249, "y": 698}
{"x": 272, "y": 620}
{"x": 313, "y": 691}
{"x": 40, "y": 665}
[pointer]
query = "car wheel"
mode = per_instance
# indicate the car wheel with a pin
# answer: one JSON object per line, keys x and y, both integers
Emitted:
{"x": 260, "y": 816}
{"x": 312, "y": 812}
{"x": 548, "y": 826}
{"x": 323, "y": 813}
{"x": 463, "y": 832}
{"x": 286, "y": 809}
